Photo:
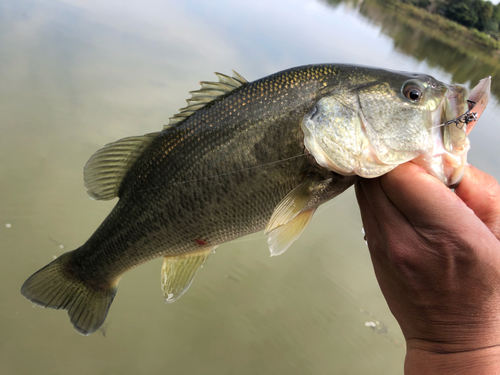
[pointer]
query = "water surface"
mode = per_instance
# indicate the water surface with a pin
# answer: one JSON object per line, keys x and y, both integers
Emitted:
{"x": 76, "y": 75}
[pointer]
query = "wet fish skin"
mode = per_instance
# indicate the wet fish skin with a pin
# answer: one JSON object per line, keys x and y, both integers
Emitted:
{"x": 195, "y": 180}
{"x": 213, "y": 177}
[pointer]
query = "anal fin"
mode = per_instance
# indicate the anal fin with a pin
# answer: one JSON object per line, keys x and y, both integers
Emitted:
{"x": 178, "y": 272}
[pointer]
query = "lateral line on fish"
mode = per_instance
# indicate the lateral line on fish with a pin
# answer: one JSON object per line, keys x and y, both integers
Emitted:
{"x": 225, "y": 174}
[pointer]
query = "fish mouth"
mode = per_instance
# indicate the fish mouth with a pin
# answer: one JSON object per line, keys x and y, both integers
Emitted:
{"x": 451, "y": 123}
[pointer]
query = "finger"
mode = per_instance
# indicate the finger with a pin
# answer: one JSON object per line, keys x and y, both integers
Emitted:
{"x": 375, "y": 236}
{"x": 375, "y": 205}
{"x": 425, "y": 201}
{"x": 481, "y": 193}
{"x": 370, "y": 224}
{"x": 381, "y": 219}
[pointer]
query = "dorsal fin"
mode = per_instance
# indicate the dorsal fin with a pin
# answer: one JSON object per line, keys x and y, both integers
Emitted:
{"x": 209, "y": 92}
{"x": 106, "y": 169}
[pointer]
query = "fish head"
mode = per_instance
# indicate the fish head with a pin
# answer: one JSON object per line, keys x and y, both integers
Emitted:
{"x": 370, "y": 126}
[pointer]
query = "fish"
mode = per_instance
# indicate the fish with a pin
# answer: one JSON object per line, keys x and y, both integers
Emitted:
{"x": 244, "y": 157}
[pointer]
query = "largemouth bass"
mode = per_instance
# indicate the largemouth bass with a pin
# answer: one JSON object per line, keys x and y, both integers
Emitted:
{"x": 247, "y": 156}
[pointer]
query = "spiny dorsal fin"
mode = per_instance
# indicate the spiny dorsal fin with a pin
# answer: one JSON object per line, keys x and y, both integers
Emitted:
{"x": 178, "y": 272}
{"x": 106, "y": 169}
{"x": 209, "y": 92}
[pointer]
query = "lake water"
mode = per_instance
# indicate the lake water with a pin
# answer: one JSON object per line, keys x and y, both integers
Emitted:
{"x": 77, "y": 74}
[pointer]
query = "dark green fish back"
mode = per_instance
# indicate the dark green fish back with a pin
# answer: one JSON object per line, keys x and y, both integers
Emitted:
{"x": 215, "y": 176}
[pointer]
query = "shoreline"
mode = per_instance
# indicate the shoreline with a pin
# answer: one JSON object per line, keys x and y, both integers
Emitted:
{"x": 462, "y": 36}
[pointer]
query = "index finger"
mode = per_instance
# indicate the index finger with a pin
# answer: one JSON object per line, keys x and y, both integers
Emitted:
{"x": 481, "y": 193}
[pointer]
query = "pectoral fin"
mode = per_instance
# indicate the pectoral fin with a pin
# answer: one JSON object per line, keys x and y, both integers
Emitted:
{"x": 291, "y": 217}
{"x": 282, "y": 237}
{"x": 178, "y": 272}
{"x": 290, "y": 206}
{"x": 295, "y": 211}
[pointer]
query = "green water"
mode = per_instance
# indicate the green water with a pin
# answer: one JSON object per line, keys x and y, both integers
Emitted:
{"x": 75, "y": 75}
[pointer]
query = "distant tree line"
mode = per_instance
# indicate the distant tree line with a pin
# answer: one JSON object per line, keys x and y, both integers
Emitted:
{"x": 479, "y": 14}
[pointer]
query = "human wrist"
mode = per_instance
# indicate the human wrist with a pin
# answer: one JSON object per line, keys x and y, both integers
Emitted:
{"x": 431, "y": 360}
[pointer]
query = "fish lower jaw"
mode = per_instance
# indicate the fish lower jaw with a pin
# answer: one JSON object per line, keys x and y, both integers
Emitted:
{"x": 438, "y": 161}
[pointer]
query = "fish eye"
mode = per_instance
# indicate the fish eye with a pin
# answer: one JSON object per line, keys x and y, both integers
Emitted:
{"x": 412, "y": 91}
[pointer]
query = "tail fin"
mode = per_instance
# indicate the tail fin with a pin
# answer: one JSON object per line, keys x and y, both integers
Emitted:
{"x": 54, "y": 287}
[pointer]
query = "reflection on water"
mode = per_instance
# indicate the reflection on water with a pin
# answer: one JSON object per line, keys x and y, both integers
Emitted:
{"x": 78, "y": 74}
{"x": 424, "y": 43}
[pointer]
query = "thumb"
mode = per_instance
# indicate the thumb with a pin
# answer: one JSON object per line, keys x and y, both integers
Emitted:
{"x": 422, "y": 199}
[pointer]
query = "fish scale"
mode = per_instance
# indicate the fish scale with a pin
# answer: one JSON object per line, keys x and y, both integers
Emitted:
{"x": 232, "y": 162}
{"x": 150, "y": 193}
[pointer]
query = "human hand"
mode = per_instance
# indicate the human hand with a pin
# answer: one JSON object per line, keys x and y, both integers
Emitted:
{"x": 436, "y": 255}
